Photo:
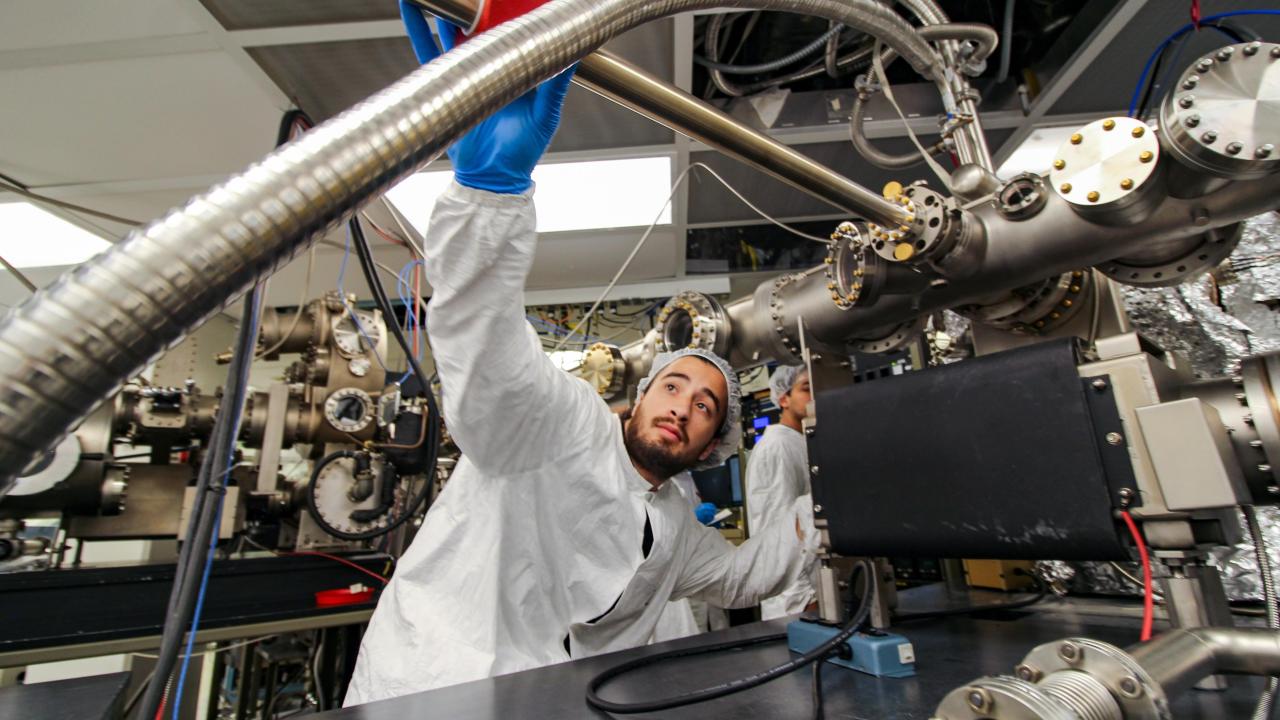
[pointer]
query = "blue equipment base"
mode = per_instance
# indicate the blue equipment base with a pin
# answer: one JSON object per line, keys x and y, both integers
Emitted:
{"x": 874, "y": 653}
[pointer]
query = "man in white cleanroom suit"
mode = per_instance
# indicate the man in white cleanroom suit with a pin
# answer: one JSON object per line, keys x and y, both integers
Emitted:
{"x": 777, "y": 474}
{"x": 557, "y": 536}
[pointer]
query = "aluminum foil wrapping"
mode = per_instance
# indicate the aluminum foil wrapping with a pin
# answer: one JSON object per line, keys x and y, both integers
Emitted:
{"x": 1214, "y": 321}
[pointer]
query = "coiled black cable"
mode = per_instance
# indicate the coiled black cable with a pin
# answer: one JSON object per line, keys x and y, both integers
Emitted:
{"x": 820, "y": 652}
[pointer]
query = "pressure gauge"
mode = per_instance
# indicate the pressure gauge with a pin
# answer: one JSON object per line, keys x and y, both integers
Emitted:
{"x": 349, "y": 410}
{"x": 359, "y": 366}
{"x": 348, "y": 338}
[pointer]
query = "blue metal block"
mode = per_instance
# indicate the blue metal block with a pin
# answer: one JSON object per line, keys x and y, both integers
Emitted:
{"x": 874, "y": 653}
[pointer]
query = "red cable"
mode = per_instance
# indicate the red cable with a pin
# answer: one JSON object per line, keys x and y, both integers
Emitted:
{"x": 1148, "y": 595}
{"x": 335, "y": 558}
{"x": 1195, "y": 13}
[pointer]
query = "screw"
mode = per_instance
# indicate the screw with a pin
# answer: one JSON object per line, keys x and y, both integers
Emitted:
{"x": 1115, "y": 438}
{"x": 1275, "y": 52}
{"x": 1225, "y": 53}
{"x": 1187, "y": 101}
{"x": 1108, "y": 124}
{"x": 1026, "y": 672}
{"x": 1241, "y": 398}
{"x": 1248, "y": 419}
{"x": 1139, "y": 131}
{"x": 1204, "y": 65}
{"x": 1264, "y": 468}
{"x": 1209, "y": 136}
{"x": 1252, "y": 48}
{"x": 1236, "y": 379}
{"x": 1234, "y": 148}
{"x": 817, "y": 508}
{"x": 1126, "y": 184}
{"x": 1192, "y": 120}
{"x": 1146, "y": 156}
{"x": 978, "y": 698}
{"x": 809, "y": 431}
{"x": 1200, "y": 217}
{"x": 1077, "y": 139}
{"x": 1255, "y": 444}
{"x": 1126, "y": 496}
{"x": 1093, "y": 196}
{"x": 1099, "y": 384}
{"x": 1065, "y": 188}
{"x": 1129, "y": 687}
{"x": 1264, "y": 150}
{"x": 1069, "y": 652}
{"x": 1059, "y": 164}
{"x": 1191, "y": 82}
{"x": 813, "y": 469}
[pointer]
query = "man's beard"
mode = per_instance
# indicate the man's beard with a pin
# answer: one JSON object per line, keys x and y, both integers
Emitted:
{"x": 654, "y": 456}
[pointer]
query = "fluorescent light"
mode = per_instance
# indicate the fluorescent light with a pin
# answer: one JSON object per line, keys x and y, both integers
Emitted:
{"x": 32, "y": 237}
{"x": 1037, "y": 152}
{"x": 592, "y": 195}
{"x": 567, "y": 360}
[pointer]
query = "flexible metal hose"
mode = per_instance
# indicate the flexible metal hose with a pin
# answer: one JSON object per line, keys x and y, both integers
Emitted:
{"x": 986, "y": 40}
{"x": 68, "y": 348}
{"x": 832, "y": 33}
{"x": 1268, "y": 698}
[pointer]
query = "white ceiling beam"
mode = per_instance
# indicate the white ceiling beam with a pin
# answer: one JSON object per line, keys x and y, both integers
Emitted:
{"x": 105, "y": 51}
{"x": 238, "y": 54}
{"x": 640, "y": 291}
{"x": 1075, "y": 66}
{"x": 302, "y": 34}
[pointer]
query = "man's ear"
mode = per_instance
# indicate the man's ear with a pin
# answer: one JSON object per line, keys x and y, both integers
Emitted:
{"x": 710, "y": 448}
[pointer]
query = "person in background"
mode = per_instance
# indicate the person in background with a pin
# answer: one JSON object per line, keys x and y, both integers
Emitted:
{"x": 778, "y": 473}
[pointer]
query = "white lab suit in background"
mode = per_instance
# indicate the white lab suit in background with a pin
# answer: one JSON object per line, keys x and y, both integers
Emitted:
{"x": 778, "y": 474}
{"x": 535, "y": 545}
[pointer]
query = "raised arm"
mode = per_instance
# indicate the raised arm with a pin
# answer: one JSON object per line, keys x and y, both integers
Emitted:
{"x": 507, "y": 406}
{"x": 731, "y": 576}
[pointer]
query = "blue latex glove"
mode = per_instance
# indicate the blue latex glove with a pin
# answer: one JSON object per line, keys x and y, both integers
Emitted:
{"x": 499, "y": 154}
{"x": 706, "y": 512}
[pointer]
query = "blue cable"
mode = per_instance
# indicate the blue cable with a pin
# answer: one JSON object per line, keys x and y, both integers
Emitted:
{"x": 1137, "y": 92}
{"x": 213, "y": 544}
{"x": 404, "y": 291}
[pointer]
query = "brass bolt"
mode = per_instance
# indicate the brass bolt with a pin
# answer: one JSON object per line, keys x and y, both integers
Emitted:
{"x": 1066, "y": 303}
{"x": 1039, "y": 323}
{"x": 1139, "y": 131}
{"x": 1126, "y": 184}
{"x": 1108, "y": 124}
{"x": 1055, "y": 315}
{"x": 826, "y": 260}
{"x": 1093, "y": 196}
{"x": 1075, "y": 288}
{"x": 1077, "y": 139}
{"x": 1146, "y": 156}
{"x": 903, "y": 251}
{"x": 1065, "y": 188}
{"x": 1059, "y": 164}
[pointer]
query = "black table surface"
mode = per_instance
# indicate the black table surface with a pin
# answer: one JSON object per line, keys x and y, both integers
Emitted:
{"x": 949, "y": 652}
{"x": 99, "y": 697}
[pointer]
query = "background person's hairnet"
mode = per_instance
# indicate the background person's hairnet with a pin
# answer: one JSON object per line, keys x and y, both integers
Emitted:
{"x": 784, "y": 378}
{"x": 730, "y": 434}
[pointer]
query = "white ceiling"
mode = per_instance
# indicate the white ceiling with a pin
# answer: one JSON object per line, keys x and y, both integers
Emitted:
{"x": 133, "y": 106}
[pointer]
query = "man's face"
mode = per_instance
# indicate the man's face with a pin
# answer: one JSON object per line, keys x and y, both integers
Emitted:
{"x": 797, "y": 401}
{"x": 674, "y": 424}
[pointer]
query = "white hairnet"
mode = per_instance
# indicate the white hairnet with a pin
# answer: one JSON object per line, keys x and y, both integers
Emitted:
{"x": 730, "y": 434}
{"x": 784, "y": 378}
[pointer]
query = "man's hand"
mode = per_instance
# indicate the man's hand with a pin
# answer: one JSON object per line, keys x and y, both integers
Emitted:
{"x": 499, "y": 154}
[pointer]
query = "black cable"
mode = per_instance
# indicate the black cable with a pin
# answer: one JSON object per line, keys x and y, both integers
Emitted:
{"x": 214, "y": 468}
{"x": 854, "y": 624}
{"x": 432, "y": 441}
{"x": 1041, "y": 591}
{"x": 211, "y": 481}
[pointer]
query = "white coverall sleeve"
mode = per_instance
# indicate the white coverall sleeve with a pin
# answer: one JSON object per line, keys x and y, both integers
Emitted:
{"x": 508, "y": 407}
{"x": 769, "y": 494}
{"x": 736, "y": 577}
